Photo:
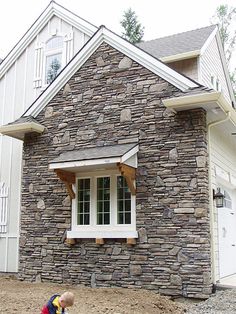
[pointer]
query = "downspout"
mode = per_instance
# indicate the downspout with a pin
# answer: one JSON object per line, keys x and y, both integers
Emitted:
{"x": 211, "y": 205}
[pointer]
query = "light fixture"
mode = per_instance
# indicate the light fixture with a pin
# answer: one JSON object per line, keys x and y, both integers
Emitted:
{"x": 219, "y": 198}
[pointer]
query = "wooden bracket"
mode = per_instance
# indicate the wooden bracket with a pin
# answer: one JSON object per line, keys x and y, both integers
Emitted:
{"x": 68, "y": 178}
{"x": 129, "y": 173}
{"x": 70, "y": 241}
{"x": 131, "y": 241}
{"x": 100, "y": 241}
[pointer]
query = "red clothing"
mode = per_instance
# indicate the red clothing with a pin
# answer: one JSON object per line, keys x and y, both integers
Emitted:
{"x": 53, "y": 306}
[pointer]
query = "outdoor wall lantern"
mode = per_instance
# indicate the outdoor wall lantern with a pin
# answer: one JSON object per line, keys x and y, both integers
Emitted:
{"x": 219, "y": 198}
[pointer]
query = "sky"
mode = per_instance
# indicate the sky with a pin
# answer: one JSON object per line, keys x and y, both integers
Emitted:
{"x": 159, "y": 17}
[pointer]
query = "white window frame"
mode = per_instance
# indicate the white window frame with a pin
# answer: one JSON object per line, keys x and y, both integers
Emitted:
{"x": 51, "y": 52}
{"x": 93, "y": 230}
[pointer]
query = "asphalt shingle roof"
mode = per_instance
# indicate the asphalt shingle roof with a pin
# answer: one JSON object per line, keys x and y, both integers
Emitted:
{"x": 178, "y": 43}
{"x": 95, "y": 153}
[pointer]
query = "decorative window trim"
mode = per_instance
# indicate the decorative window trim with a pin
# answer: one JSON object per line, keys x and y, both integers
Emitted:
{"x": 215, "y": 83}
{"x": 93, "y": 230}
{"x": 41, "y": 55}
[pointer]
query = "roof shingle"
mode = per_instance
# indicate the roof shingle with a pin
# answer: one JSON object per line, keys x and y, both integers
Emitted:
{"x": 178, "y": 43}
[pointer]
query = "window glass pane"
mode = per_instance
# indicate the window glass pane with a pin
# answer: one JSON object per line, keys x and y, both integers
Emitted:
{"x": 53, "y": 67}
{"x": 54, "y": 43}
{"x": 123, "y": 201}
{"x": 120, "y": 218}
{"x": 83, "y": 216}
{"x": 103, "y": 200}
{"x": 128, "y": 218}
{"x": 106, "y": 219}
{"x": 86, "y": 219}
{"x": 100, "y": 220}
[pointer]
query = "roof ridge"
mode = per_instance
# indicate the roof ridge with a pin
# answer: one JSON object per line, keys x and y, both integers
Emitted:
{"x": 172, "y": 35}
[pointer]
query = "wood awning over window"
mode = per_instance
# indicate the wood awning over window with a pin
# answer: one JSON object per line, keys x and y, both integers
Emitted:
{"x": 123, "y": 156}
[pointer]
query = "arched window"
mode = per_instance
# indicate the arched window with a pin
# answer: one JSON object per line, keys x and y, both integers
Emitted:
{"x": 53, "y": 58}
{"x": 50, "y": 57}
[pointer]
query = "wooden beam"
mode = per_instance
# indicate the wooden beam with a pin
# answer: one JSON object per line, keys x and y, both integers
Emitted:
{"x": 129, "y": 173}
{"x": 100, "y": 241}
{"x": 131, "y": 241}
{"x": 68, "y": 178}
{"x": 65, "y": 176}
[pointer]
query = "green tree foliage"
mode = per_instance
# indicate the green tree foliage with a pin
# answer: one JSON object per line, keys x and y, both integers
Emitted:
{"x": 225, "y": 16}
{"x": 133, "y": 30}
{"x": 53, "y": 70}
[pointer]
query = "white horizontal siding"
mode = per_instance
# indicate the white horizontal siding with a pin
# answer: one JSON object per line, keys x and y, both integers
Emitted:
{"x": 210, "y": 64}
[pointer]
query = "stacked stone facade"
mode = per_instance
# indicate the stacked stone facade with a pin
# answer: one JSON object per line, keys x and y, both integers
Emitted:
{"x": 113, "y": 100}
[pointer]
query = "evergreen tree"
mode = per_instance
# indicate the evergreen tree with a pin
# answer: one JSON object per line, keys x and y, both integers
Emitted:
{"x": 53, "y": 70}
{"x": 133, "y": 30}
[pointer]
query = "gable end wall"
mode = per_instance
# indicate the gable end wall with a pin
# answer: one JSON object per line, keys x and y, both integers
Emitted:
{"x": 103, "y": 104}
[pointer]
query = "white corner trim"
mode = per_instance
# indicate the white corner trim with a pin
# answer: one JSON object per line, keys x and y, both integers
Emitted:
{"x": 52, "y": 9}
{"x": 181, "y": 56}
{"x": 105, "y": 35}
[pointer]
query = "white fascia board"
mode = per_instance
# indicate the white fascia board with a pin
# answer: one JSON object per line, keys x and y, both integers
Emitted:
{"x": 76, "y": 21}
{"x": 148, "y": 61}
{"x": 179, "y": 103}
{"x": 181, "y": 56}
{"x": 73, "y": 234}
{"x": 83, "y": 163}
{"x": 104, "y": 35}
{"x": 225, "y": 67}
{"x": 52, "y": 9}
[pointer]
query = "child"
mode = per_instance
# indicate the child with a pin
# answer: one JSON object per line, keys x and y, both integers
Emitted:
{"x": 58, "y": 303}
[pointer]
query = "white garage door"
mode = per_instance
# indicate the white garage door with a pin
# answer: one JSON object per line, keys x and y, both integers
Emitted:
{"x": 227, "y": 236}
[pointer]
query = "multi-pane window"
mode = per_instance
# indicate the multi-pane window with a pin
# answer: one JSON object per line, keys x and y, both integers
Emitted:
{"x": 123, "y": 201}
{"x": 83, "y": 216}
{"x": 53, "y": 58}
{"x": 103, "y": 201}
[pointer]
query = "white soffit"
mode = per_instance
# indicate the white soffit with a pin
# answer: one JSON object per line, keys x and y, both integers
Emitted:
{"x": 52, "y": 9}
{"x": 133, "y": 52}
{"x": 205, "y": 100}
{"x": 20, "y": 129}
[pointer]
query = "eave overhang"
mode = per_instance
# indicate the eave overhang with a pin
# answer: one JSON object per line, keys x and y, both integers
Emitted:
{"x": 19, "y": 130}
{"x": 207, "y": 101}
{"x": 181, "y": 56}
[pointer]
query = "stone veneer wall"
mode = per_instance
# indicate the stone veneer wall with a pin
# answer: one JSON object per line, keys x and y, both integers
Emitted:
{"x": 113, "y": 100}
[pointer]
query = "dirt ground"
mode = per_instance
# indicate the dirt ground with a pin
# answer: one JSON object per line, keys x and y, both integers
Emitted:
{"x": 17, "y": 297}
